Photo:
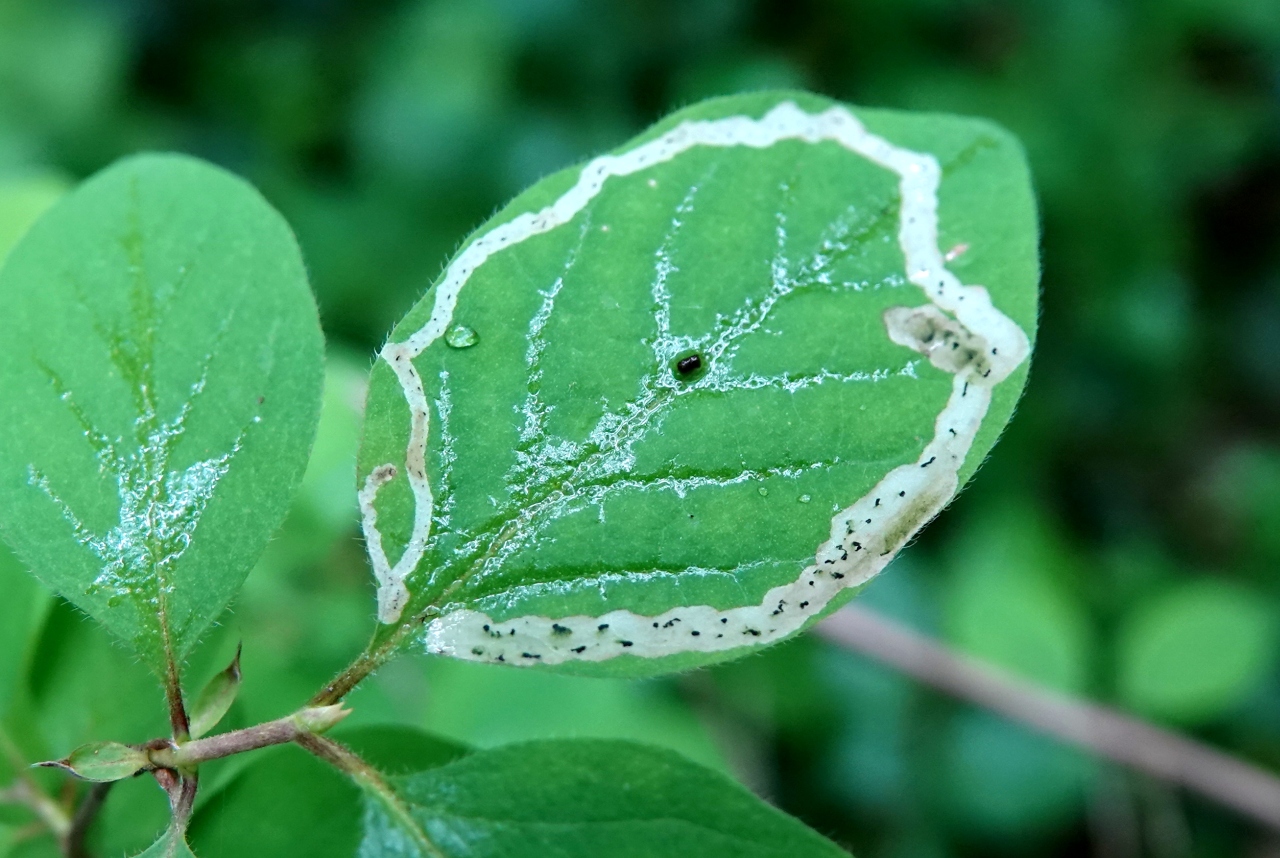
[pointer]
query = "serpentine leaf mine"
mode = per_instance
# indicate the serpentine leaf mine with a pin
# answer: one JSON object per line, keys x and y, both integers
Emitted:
{"x": 752, "y": 297}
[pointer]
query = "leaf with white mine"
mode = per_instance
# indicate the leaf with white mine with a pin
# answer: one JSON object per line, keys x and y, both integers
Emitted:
{"x": 678, "y": 402}
{"x": 161, "y": 367}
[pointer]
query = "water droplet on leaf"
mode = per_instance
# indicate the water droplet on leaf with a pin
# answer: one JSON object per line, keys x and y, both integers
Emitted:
{"x": 804, "y": 498}
{"x": 764, "y": 493}
{"x": 461, "y": 337}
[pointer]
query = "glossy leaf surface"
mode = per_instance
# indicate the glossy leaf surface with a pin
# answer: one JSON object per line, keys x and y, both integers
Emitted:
{"x": 162, "y": 368}
{"x": 679, "y": 401}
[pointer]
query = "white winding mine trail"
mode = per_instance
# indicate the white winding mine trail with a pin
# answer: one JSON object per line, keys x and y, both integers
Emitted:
{"x": 959, "y": 331}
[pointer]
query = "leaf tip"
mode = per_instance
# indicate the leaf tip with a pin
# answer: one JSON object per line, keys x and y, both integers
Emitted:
{"x": 321, "y": 719}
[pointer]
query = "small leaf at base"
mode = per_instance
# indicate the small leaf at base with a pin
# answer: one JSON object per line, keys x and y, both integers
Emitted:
{"x": 321, "y": 719}
{"x": 216, "y": 699}
{"x": 102, "y": 762}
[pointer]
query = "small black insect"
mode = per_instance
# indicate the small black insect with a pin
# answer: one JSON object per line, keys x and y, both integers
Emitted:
{"x": 689, "y": 364}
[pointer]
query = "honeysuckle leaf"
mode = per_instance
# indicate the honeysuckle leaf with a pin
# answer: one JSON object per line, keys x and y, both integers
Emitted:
{"x": 678, "y": 402}
{"x": 582, "y": 798}
{"x": 564, "y": 797}
{"x": 22, "y": 200}
{"x": 161, "y": 368}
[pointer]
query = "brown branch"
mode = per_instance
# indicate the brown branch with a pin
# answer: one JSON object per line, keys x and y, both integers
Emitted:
{"x": 25, "y": 791}
{"x": 73, "y": 845}
{"x": 1227, "y": 780}
{"x": 187, "y": 755}
{"x": 173, "y": 697}
{"x": 184, "y": 800}
{"x": 51, "y": 815}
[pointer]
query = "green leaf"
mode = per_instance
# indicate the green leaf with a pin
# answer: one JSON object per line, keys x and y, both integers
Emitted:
{"x": 585, "y": 797}
{"x": 1194, "y": 651}
{"x": 172, "y": 844}
{"x": 22, "y": 200}
{"x": 676, "y": 403}
{"x": 311, "y": 809}
{"x": 85, "y": 687}
{"x": 216, "y": 698}
{"x": 1007, "y": 780}
{"x": 473, "y": 703}
{"x": 563, "y": 798}
{"x": 1009, "y": 602}
{"x": 102, "y": 762}
{"x": 162, "y": 369}
{"x": 22, "y": 611}
{"x": 398, "y": 750}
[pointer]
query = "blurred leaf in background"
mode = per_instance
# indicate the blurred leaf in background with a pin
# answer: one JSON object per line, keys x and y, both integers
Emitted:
{"x": 1194, "y": 650}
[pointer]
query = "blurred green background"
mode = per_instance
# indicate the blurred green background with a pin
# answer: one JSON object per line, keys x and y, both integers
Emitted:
{"x": 1121, "y": 544}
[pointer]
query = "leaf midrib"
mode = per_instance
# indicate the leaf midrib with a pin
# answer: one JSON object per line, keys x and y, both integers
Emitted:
{"x": 504, "y": 524}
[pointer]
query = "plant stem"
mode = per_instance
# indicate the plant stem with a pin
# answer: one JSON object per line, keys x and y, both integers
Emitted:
{"x": 366, "y": 663}
{"x": 73, "y": 843}
{"x": 187, "y": 755}
{"x": 52, "y": 815}
{"x": 177, "y": 709}
{"x": 1169, "y": 756}
{"x": 184, "y": 802}
{"x": 374, "y": 784}
{"x": 26, "y": 791}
